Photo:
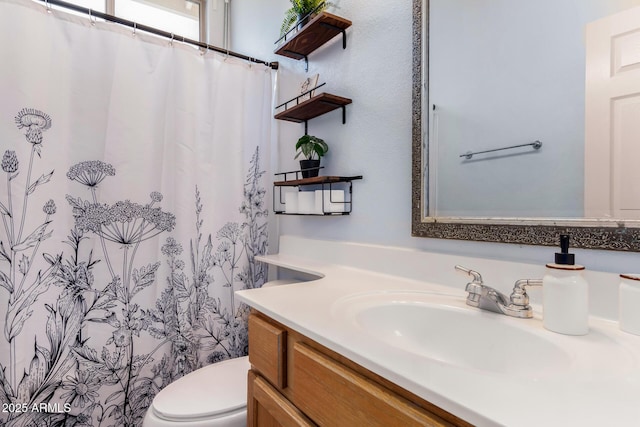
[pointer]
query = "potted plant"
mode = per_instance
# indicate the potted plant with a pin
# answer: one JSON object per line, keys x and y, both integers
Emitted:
{"x": 299, "y": 11}
{"x": 312, "y": 149}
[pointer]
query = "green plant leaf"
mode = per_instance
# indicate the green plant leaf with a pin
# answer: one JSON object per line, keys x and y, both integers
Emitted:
{"x": 311, "y": 147}
{"x": 290, "y": 18}
{"x": 301, "y": 8}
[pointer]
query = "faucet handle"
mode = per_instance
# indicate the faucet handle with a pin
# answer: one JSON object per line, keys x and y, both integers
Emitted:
{"x": 477, "y": 278}
{"x": 519, "y": 296}
{"x": 475, "y": 286}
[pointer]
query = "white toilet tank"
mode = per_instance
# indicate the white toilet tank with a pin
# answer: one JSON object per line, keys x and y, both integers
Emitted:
{"x": 213, "y": 396}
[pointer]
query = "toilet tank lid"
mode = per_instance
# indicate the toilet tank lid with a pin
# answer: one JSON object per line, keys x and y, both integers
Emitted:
{"x": 211, "y": 391}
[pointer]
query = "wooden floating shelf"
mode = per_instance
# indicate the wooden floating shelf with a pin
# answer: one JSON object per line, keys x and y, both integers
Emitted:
{"x": 316, "y": 180}
{"x": 313, "y": 214}
{"x": 325, "y": 182}
{"x": 317, "y": 32}
{"x": 313, "y": 107}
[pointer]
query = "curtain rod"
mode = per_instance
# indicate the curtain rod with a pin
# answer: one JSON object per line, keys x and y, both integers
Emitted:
{"x": 156, "y": 31}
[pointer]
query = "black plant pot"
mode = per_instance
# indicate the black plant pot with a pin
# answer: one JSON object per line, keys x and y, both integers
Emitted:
{"x": 303, "y": 19}
{"x": 310, "y": 168}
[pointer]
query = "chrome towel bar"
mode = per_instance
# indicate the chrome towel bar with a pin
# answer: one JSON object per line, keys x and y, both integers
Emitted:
{"x": 535, "y": 144}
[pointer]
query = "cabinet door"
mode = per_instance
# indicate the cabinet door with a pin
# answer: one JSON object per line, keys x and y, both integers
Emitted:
{"x": 268, "y": 350}
{"x": 268, "y": 408}
{"x": 333, "y": 395}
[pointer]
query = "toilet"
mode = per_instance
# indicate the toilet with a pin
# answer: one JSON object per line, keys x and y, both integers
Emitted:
{"x": 212, "y": 396}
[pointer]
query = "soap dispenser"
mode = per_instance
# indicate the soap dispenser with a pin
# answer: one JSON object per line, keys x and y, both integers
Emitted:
{"x": 629, "y": 302}
{"x": 565, "y": 295}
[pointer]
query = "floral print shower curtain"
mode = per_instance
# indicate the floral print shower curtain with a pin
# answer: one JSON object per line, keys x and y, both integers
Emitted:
{"x": 132, "y": 206}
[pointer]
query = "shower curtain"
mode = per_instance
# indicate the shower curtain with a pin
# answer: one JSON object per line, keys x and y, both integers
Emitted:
{"x": 132, "y": 205}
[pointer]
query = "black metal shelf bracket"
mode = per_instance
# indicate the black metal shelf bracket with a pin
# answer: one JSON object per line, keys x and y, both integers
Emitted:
{"x": 344, "y": 117}
{"x": 300, "y": 56}
{"x": 341, "y": 30}
{"x": 342, "y": 107}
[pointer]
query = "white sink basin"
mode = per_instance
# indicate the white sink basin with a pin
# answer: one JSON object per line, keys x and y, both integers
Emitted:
{"x": 443, "y": 329}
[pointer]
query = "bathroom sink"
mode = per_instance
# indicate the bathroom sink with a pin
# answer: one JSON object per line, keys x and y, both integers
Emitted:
{"x": 443, "y": 329}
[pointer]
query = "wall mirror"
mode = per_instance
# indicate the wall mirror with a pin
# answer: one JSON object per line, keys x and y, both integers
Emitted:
{"x": 526, "y": 121}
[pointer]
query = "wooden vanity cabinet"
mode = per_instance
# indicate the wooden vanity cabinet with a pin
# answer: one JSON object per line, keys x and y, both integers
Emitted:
{"x": 294, "y": 381}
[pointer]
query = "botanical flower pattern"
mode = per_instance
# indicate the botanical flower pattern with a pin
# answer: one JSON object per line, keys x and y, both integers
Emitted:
{"x": 90, "y": 173}
{"x": 50, "y": 207}
{"x": 35, "y": 122}
{"x": 81, "y": 389}
{"x": 10, "y": 161}
{"x": 124, "y": 222}
{"x": 116, "y": 332}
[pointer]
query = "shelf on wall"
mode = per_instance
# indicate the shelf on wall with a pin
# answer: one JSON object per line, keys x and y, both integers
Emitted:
{"x": 325, "y": 183}
{"x": 315, "y": 180}
{"x": 316, "y": 33}
{"x": 315, "y": 106}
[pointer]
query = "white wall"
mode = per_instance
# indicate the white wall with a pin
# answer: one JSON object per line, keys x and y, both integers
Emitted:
{"x": 375, "y": 71}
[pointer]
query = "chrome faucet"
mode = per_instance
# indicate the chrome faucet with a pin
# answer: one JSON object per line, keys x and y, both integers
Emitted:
{"x": 488, "y": 298}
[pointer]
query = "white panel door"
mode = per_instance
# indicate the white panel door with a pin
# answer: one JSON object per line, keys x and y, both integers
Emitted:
{"x": 612, "y": 132}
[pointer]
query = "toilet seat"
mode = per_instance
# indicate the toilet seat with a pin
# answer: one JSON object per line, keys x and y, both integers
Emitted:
{"x": 215, "y": 391}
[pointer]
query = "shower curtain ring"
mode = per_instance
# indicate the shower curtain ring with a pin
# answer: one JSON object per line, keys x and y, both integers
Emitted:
{"x": 92, "y": 19}
{"x": 48, "y": 6}
{"x": 171, "y": 41}
{"x": 135, "y": 27}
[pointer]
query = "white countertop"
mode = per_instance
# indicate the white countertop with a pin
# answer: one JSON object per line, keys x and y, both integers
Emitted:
{"x": 609, "y": 395}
